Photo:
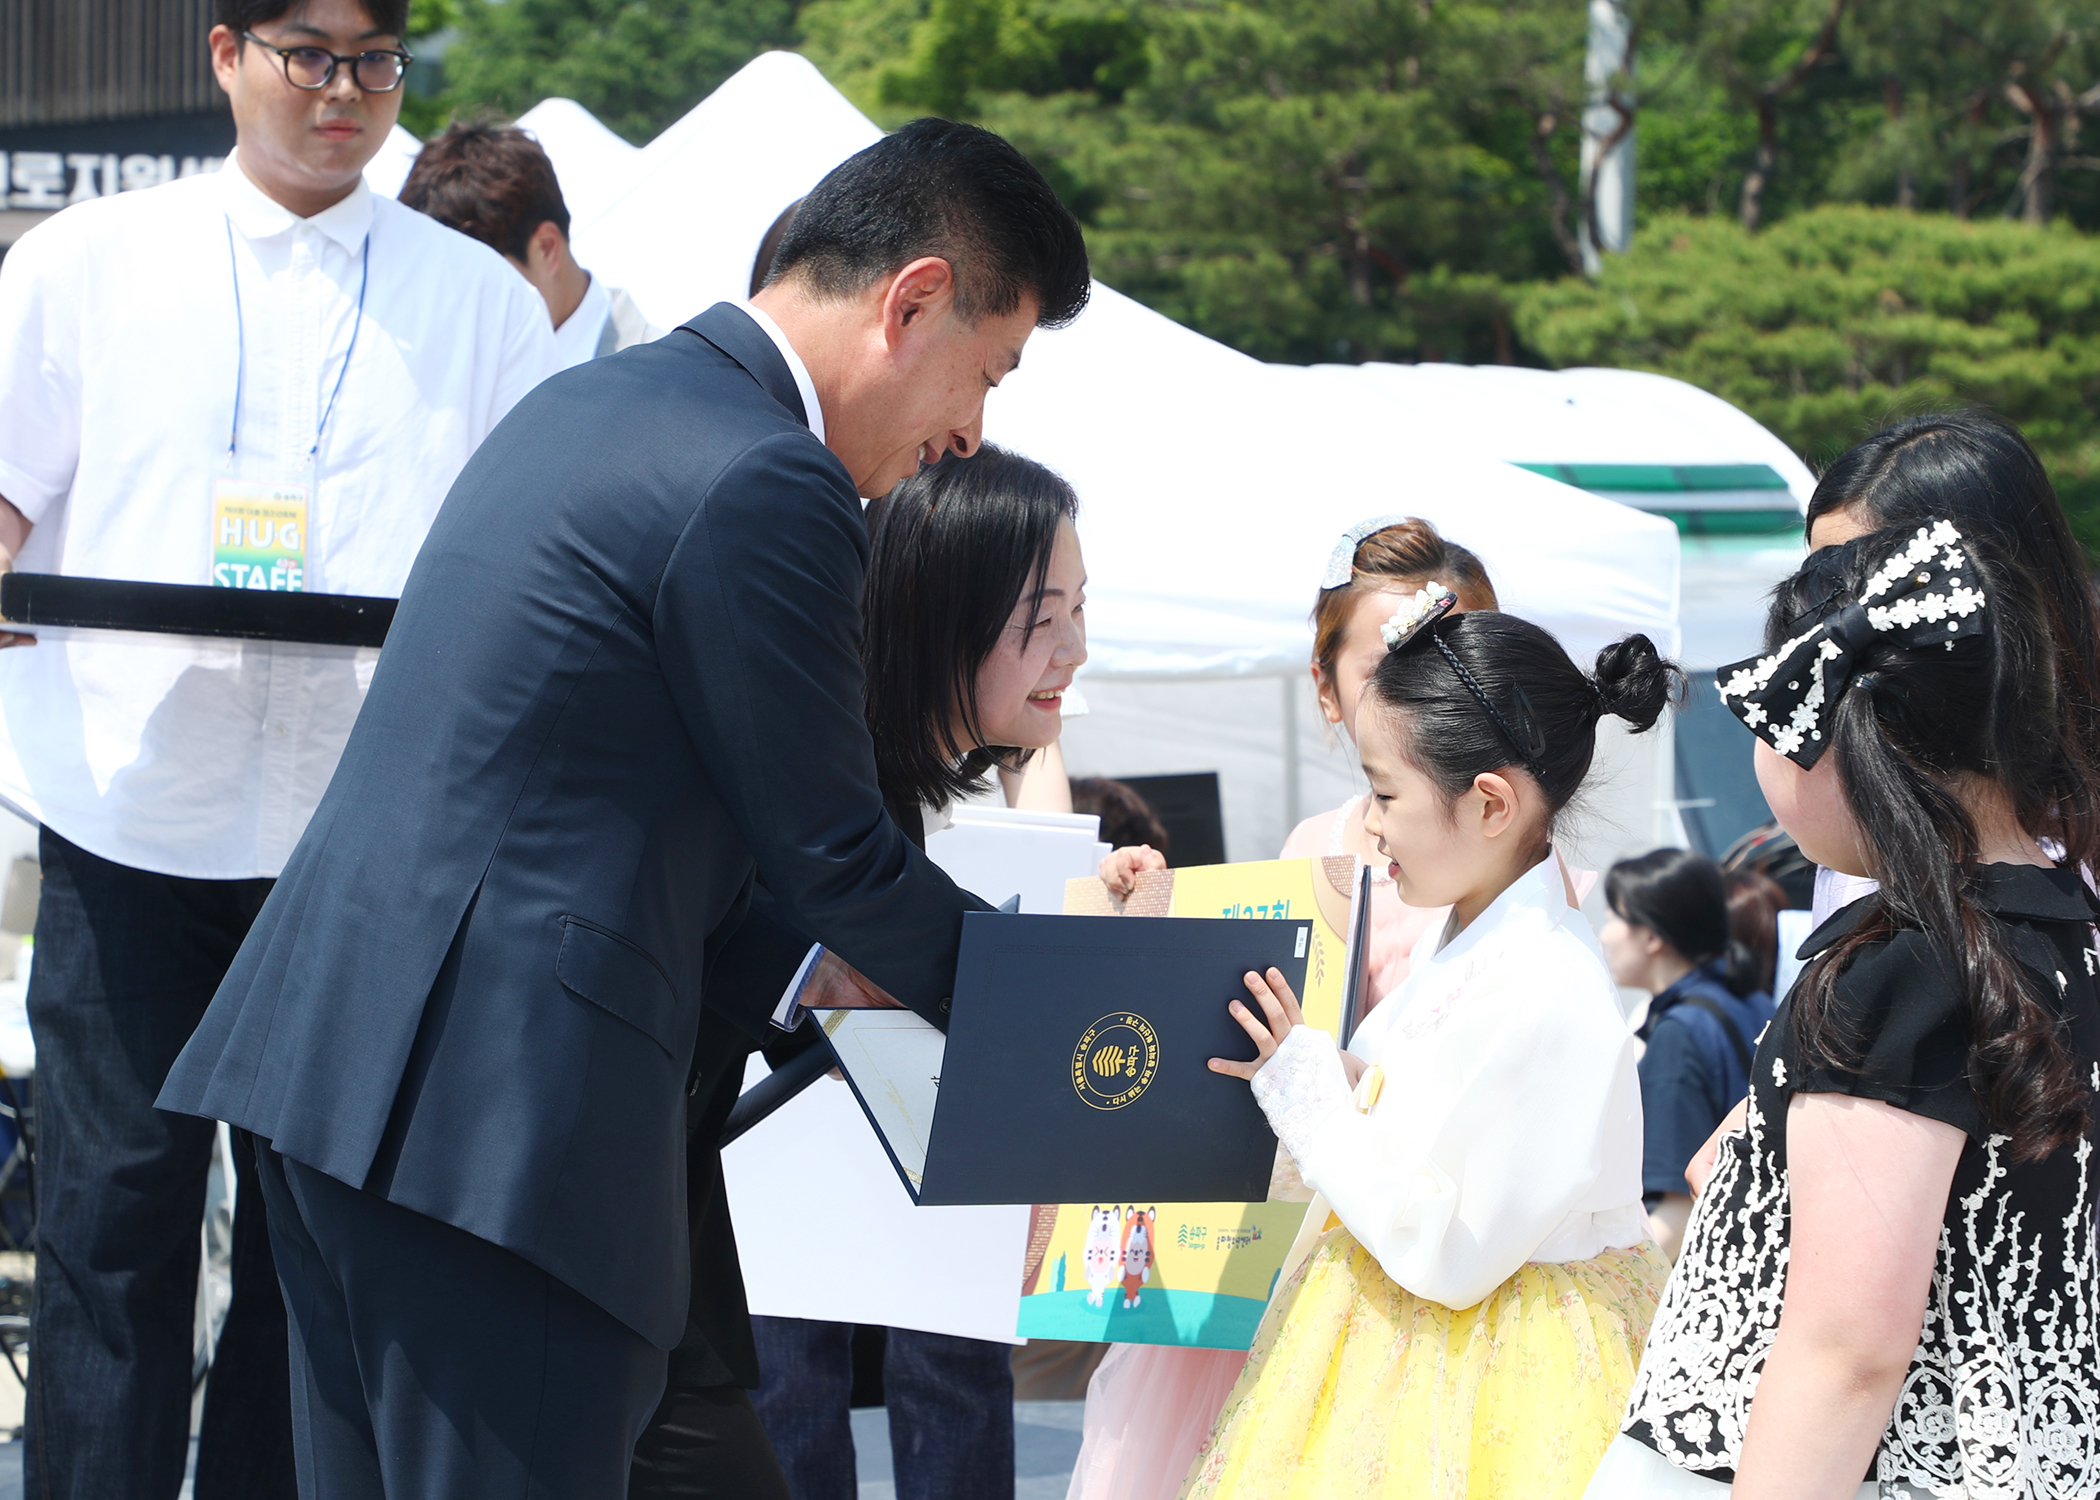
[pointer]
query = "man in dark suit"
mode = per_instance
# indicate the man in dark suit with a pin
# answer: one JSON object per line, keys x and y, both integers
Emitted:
{"x": 623, "y": 679}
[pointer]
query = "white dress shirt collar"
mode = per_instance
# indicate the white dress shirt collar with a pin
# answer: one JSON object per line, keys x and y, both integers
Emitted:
{"x": 576, "y": 341}
{"x": 796, "y": 368}
{"x": 259, "y": 216}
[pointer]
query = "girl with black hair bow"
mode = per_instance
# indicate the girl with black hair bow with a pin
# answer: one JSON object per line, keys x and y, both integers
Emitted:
{"x": 1889, "y": 1285}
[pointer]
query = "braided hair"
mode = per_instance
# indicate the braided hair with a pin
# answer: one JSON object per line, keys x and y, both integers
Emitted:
{"x": 1485, "y": 691}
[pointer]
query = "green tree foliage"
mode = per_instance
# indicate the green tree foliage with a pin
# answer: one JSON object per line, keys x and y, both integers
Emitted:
{"x": 635, "y": 64}
{"x": 1304, "y": 179}
{"x": 1830, "y": 323}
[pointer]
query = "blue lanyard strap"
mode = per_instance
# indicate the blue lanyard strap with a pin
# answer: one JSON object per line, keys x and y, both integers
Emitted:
{"x": 240, "y": 334}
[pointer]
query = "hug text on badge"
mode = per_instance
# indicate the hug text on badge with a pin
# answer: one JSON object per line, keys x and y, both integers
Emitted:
{"x": 258, "y": 536}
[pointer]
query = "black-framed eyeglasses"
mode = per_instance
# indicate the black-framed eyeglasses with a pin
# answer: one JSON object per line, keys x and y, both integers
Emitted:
{"x": 378, "y": 71}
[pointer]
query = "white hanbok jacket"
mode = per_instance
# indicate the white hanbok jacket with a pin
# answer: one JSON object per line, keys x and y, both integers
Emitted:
{"x": 1506, "y": 1126}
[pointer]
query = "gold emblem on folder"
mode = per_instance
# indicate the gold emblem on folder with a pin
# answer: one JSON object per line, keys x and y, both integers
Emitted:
{"x": 1115, "y": 1060}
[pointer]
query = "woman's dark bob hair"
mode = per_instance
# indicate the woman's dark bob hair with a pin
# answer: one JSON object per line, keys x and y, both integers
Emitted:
{"x": 953, "y": 550}
{"x": 1682, "y": 898}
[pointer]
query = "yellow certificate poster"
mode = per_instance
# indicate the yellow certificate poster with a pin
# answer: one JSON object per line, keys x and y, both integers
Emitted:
{"x": 1193, "y": 1274}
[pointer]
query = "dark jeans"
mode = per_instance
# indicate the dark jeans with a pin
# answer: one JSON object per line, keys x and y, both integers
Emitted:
{"x": 950, "y": 1400}
{"x": 126, "y": 962}
{"x": 429, "y": 1364}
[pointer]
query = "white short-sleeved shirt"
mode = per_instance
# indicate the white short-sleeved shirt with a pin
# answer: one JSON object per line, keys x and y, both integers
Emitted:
{"x": 119, "y": 353}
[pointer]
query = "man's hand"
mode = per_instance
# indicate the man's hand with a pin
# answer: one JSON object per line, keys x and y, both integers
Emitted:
{"x": 1119, "y": 872}
{"x": 1279, "y": 1005}
{"x": 14, "y": 531}
{"x": 836, "y": 985}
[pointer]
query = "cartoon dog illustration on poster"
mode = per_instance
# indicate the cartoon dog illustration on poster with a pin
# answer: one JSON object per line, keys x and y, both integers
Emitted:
{"x": 1137, "y": 1253}
{"x": 1103, "y": 1255}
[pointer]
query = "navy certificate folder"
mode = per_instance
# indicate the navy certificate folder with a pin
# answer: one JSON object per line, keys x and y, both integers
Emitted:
{"x": 1077, "y": 1061}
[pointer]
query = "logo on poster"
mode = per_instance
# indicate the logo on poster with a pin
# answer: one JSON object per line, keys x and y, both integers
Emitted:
{"x": 1115, "y": 1060}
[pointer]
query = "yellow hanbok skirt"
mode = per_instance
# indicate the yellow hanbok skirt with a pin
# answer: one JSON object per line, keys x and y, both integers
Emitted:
{"x": 1356, "y": 1387}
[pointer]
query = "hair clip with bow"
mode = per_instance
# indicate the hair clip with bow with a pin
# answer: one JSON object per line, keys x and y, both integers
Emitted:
{"x": 1927, "y": 593}
{"x": 1341, "y": 563}
{"x": 1430, "y": 603}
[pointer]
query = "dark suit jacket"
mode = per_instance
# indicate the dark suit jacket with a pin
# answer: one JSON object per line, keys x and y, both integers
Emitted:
{"x": 624, "y": 675}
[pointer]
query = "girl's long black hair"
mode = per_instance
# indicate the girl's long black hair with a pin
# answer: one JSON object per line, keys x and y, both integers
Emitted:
{"x": 1907, "y": 729}
{"x": 952, "y": 551}
{"x": 1978, "y": 471}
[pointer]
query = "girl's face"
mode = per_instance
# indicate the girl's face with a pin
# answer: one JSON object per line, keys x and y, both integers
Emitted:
{"x": 1438, "y": 855}
{"x": 1811, "y": 806}
{"x": 1021, "y": 685}
{"x": 1361, "y": 651}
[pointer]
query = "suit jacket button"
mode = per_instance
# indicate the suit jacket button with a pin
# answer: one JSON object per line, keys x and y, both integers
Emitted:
{"x": 944, "y": 1005}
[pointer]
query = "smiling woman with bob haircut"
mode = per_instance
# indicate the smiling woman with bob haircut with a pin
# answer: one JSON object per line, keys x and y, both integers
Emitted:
{"x": 973, "y": 624}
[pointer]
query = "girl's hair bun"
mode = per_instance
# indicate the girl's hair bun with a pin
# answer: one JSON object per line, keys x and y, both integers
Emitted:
{"x": 1635, "y": 682}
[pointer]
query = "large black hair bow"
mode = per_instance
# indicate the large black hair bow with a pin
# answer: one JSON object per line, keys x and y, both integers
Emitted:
{"x": 1927, "y": 593}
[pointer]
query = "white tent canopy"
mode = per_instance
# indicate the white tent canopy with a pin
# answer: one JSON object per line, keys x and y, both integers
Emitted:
{"x": 593, "y": 165}
{"x": 1585, "y": 417}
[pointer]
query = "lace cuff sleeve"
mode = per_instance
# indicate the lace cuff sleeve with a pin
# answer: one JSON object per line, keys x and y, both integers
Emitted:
{"x": 1301, "y": 1087}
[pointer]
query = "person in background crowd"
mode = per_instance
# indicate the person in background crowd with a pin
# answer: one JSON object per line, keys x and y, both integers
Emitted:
{"x": 495, "y": 183}
{"x": 273, "y": 344}
{"x": 973, "y": 626}
{"x": 1669, "y": 934}
{"x": 1979, "y": 472}
{"x": 1126, "y": 818}
{"x": 1755, "y": 901}
{"x": 1891, "y": 1271}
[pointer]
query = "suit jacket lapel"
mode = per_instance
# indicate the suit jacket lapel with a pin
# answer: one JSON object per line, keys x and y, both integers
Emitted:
{"x": 730, "y": 329}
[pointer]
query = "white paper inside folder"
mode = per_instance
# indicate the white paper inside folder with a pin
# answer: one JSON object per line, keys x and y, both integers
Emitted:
{"x": 814, "y": 1183}
{"x": 893, "y": 1060}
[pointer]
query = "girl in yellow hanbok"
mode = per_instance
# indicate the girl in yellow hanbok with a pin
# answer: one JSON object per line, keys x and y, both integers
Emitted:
{"x": 1479, "y": 1282}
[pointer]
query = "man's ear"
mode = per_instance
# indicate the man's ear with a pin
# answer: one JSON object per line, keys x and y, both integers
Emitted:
{"x": 1498, "y": 803}
{"x": 548, "y": 245}
{"x": 925, "y": 286}
{"x": 225, "y": 45}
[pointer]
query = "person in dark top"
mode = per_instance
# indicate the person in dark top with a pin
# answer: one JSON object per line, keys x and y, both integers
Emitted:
{"x": 1669, "y": 935}
{"x": 1889, "y": 1286}
{"x": 973, "y": 625}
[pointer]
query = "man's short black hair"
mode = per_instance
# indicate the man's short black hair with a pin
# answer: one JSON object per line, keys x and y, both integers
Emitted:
{"x": 389, "y": 16}
{"x": 948, "y": 190}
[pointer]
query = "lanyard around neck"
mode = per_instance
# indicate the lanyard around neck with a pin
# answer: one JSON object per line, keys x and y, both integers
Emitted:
{"x": 240, "y": 336}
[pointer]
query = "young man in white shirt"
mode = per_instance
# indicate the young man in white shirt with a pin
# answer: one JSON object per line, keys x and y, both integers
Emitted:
{"x": 165, "y": 357}
{"x": 498, "y": 185}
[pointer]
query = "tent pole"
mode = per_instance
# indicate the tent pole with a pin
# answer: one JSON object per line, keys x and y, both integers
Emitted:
{"x": 1290, "y": 754}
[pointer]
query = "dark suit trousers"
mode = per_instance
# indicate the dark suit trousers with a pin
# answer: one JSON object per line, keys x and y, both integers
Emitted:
{"x": 428, "y": 1364}
{"x": 126, "y": 961}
